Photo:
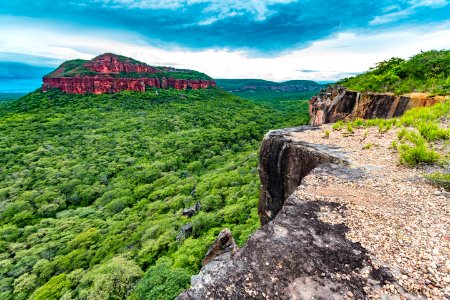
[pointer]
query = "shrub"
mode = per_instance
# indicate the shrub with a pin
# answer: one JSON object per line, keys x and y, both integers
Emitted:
{"x": 350, "y": 128}
{"x": 367, "y": 146}
{"x": 431, "y": 131}
{"x": 417, "y": 154}
{"x": 338, "y": 125}
{"x": 441, "y": 179}
{"x": 53, "y": 289}
{"x": 162, "y": 282}
{"x": 425, "y": 72}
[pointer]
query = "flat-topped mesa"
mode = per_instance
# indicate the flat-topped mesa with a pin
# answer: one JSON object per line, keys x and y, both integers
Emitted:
{"x": 337, "y": 103}
{"x": 111, "y": 73}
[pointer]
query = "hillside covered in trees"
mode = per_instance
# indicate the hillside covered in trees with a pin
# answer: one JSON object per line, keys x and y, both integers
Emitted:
{"x": 92, "y": 188}
{"x": 425, "y": 72}
{"x": 267, "y": 91}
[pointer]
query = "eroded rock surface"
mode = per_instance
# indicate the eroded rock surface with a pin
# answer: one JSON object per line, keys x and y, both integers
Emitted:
{"x": 337, "y": 103}
{"x": 224, "y": 244}
{"x": 295, "y": 255}
{"x": 283, "y": 164}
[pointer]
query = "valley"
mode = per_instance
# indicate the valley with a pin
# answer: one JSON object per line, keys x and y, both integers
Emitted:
{"x": 92, "y": 188}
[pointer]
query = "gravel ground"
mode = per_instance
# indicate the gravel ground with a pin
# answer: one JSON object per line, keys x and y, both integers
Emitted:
{"x": 396, "y": 214}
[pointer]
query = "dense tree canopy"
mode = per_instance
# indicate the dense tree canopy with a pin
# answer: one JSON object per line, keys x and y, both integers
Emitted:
{"x": 92, "y": 188}
{"x": 425, "y": 72}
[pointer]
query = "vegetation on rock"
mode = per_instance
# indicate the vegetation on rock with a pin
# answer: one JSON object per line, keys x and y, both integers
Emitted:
{"x": 79, "y": 68}
{"x": 425, "y": 72}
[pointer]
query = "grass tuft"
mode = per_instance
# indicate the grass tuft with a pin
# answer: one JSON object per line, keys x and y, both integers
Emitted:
{"x": 440, "y": 179}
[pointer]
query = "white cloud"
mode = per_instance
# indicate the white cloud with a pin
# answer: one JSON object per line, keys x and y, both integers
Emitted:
{"x": 395, "y": 13}
{"x": 391, "y": 17}
{"x": 333, "y": 58}
{"x": 428, "y": 3}
{"x": 219, "y": 9}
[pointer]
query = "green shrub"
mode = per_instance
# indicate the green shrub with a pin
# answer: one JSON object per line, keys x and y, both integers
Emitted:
{"x": 162, "y": 282}
{"x": 432, "y": 131}
{"x": 350, "y": 128}
{"x": 338, "y": 125}
{"x": 425, "y": 72}
{"x": 367, "y": 146}
{"x": 417, "y": 154}
{"x": 53, "y": 289}
{"x": 358, "y": 123}
{"x": 441, "y": 179}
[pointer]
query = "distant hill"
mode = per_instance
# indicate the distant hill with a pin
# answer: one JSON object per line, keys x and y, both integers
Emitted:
{"x": 427, "y": 72}
{"x": 112, "y": 73}
{"x": 258, "y": 89}
{"x": 10, "y": 96}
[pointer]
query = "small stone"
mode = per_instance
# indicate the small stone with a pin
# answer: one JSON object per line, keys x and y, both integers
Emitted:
{"x": 350, "y": 294}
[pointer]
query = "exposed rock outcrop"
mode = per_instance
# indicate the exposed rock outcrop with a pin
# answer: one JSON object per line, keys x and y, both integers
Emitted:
{"x": 224, "y": 244}
{"x": 110, "y": 63}
{"x": 337, "y": 103}
{"x": 283, "y": 164}
{"x": 101, "y": 85}
{"x": 110, "y": 73}
{"x": 295, "y": 255}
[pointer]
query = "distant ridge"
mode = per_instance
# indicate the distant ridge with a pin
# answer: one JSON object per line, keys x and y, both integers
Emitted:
{"x": 256, "y": 84}
{"x": 111, "y": 73}
{"x": 259, "y": 89}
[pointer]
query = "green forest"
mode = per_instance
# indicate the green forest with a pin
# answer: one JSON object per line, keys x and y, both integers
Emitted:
{"x": 92, "y": 188}
{"x": 427, "y": 72}
{"x": 268, "y": 91}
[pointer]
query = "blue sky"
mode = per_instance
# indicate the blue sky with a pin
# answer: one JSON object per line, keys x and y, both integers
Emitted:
{"x": 269, "y": 39}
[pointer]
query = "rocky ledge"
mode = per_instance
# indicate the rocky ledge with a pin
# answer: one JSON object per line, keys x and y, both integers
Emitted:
{"x": 337, "y": 224}
{"x": 111, "y": 73}
{"x": 337, "y": 103}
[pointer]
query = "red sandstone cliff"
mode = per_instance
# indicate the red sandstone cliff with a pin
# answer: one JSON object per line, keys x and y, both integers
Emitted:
{"x": 338, "y": 103}
{"x": 110, "y": 73}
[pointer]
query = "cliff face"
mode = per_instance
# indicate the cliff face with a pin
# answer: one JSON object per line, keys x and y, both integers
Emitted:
{"x": 338, "y": 103}
{"x": 110, "y": 73}
{"x": 283, "y": 164}
{"x": 100, "y": 85}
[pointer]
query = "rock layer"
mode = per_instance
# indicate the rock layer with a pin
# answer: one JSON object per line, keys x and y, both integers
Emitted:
{"x": 101, "y": 85}
{"x": 337, "y": 103}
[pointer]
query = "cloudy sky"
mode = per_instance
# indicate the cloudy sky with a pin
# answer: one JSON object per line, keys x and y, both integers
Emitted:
{"x": 269, "y": 39}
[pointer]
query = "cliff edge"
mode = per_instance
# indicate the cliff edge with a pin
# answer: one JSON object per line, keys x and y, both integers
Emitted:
{"x": 337, "y": 224}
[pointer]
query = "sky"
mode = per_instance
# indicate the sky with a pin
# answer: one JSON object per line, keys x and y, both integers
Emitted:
{"x": 268, "y": 39}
